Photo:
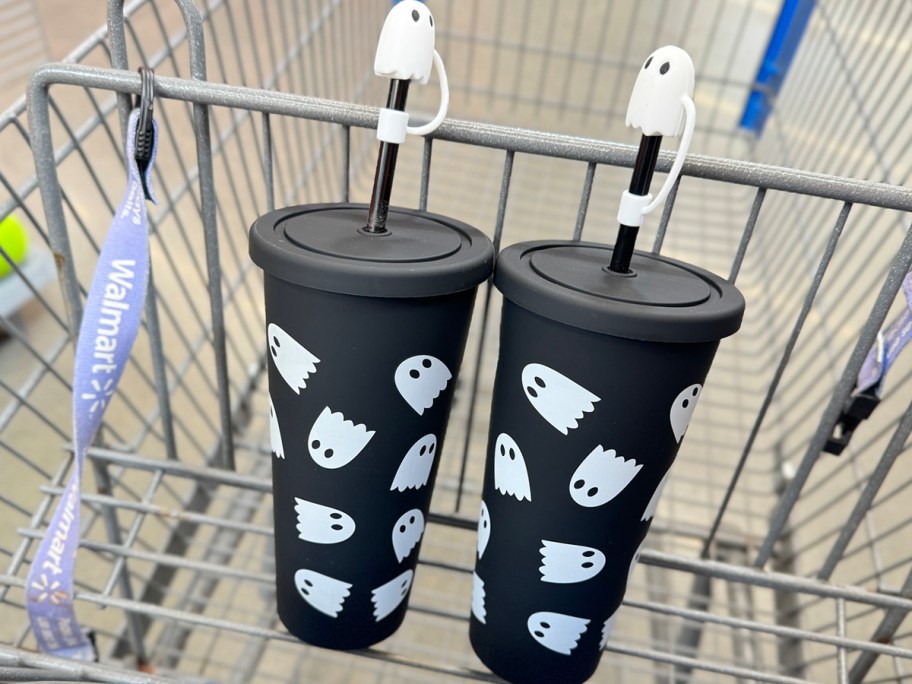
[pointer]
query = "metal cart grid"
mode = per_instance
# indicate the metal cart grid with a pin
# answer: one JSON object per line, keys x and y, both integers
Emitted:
{"x": 193, "y": 539}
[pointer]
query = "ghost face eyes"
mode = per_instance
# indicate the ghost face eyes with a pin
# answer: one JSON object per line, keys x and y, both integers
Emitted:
{"x": 416, "y": 17}
{"x": 537, "y": 384}
{"x": 662, "y": 69}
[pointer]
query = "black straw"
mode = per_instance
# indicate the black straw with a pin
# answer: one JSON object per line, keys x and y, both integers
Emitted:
{"x": 386, "y": 164}
{"x": 643, "y": 170}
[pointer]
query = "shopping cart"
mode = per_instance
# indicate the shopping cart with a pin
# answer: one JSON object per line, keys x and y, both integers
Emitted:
{"x": 768, "y": 560}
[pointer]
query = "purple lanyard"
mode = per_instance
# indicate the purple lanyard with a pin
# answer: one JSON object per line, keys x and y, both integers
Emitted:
{"x": 110, "y": 323}
{"x": 888, "y": 346}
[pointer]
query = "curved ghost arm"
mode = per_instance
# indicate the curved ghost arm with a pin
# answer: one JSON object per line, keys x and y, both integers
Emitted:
{"x": 434, "y": 123}
{"x": 690, "y": 119}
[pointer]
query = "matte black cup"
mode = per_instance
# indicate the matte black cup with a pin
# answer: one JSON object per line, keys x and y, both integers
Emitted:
{"x": 597, "y": 379}
{"x": 366, "y": 335}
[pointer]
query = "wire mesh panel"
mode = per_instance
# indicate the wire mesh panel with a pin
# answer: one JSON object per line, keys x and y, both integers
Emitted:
{"x": 751, "y": 572}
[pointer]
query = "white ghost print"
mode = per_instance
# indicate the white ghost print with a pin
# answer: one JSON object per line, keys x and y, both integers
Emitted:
{"x": 323, "y": 593}
{"x": 420, "y": 380}
{"x": 682, "y": 410}
{"x": 655, "y": 104}
{"x": 569, "y": 563}
{"x": 557, "y": 398}
{"x": 322, "y": 524}
{"x": 478, "y": 598}
{"x": 510, "y": 474}
{"x": 601, "y": 476}
{"x": 405, "y": 49}
{"x": 484, "y": 529}
{"x": 635, "y": 560}
{"x": 556, "y": 631}
{"x": 334, "y": 441}
{"x": 415, "y": 468}
{"x": 606, "y": 630}
{"x": 654, "y": 501}
{"x": 294, "y": 363}
{"x": 275, "y": 435}
{"x": 407, "y": 533}
{"x": 387, "y": 598}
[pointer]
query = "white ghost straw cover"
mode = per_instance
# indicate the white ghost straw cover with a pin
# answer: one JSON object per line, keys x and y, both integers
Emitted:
{"x": 405, "y": 51}
{"x": 661, "y": 104}
{"x": 657, "y": 102}
{"x": 406, "y": 47}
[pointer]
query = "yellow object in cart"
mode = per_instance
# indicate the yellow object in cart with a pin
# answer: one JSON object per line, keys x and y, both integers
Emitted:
{"x": 14, "y": 241}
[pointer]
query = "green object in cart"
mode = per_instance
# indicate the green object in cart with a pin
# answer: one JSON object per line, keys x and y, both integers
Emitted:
{"x": 14, "y": 241}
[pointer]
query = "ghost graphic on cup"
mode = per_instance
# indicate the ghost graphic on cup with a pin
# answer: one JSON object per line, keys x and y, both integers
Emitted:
{"x": 682, "y": 410}
{"x": 275, "y": 434}
{"x": 601, "y": 477}
{"x": 556, "y": 631}
{"x": 334, "y": 442}
{"x": 420, "y": 380}
{"x": 557, "y": 398}
{"x": 407, "y": 533}
{"x": 322, "y": 592}
{"x": 569, "y": 563}
{"x": 322, "y": 524}
{"x": 478, "y": 599}
{"x": 484, "y": 529}
{"x": 294, "y": 363}
{"x": 510, "y": 474}
{"x": 387, "y": 597}
{"x": 415, "y": 469}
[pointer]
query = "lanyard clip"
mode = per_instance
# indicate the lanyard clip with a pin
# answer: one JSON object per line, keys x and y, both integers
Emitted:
{"x": 144, "y": 139}
{"x": 858, "y": 408}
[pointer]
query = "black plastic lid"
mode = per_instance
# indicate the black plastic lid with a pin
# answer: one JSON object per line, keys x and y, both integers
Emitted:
{"x": 663, "y": 300}
{"x": 324, "y": 246}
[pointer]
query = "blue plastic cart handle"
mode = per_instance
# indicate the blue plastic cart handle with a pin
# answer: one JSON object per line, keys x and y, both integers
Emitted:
{"x": 784, "y": 41}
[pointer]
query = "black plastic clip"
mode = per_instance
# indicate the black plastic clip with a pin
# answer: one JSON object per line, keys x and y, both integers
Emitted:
{"x": 857, "y": 408}
{"x": 145, "y": 135}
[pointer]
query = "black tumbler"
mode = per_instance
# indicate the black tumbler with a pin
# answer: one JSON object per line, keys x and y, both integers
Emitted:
{"x": 366, "y": 334}
{"x": 597, "y": 378}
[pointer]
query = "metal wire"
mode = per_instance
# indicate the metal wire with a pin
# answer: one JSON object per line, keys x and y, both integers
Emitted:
{"x": 179, "y": 550}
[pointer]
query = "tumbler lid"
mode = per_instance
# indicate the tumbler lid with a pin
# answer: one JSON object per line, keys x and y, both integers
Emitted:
{"x": 662, "y": 300}
{"x": 324, "y": 246}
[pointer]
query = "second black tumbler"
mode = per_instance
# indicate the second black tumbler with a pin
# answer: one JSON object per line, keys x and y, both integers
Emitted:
{"x": 366, "y": 334}
{"x": 598, "y": 376}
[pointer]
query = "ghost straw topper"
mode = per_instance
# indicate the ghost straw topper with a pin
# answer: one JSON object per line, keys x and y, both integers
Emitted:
{"x": 405, "y": 52}
{"x": 661, "y": 105}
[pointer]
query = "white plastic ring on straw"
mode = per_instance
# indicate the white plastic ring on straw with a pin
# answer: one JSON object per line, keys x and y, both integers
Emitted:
{"x": 434, "y": 123}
